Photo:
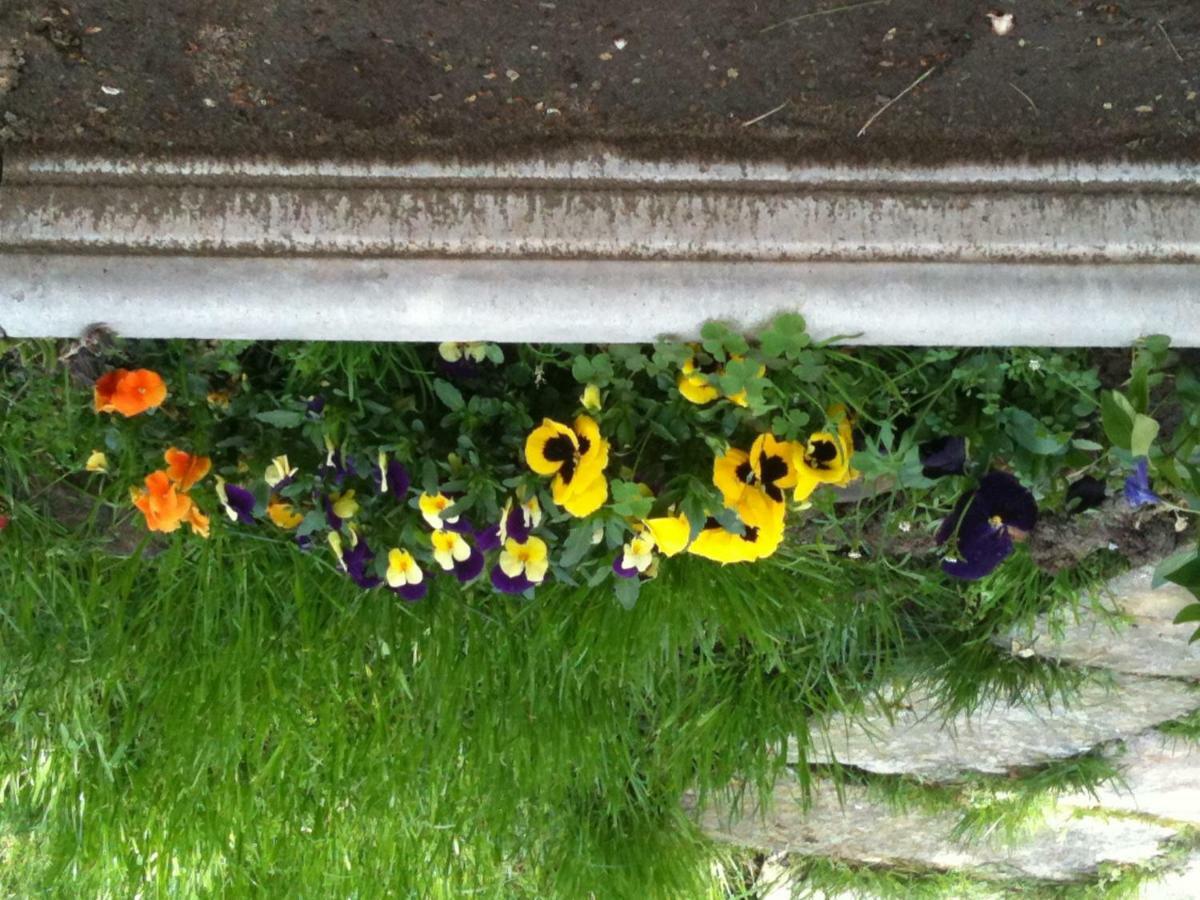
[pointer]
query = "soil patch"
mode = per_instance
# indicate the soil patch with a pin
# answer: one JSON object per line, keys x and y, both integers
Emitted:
{"x": 485, "y": 78}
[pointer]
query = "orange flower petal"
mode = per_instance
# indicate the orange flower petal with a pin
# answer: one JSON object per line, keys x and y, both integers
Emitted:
{"x": 105, "y": 388}
{"x": 185, "y": 469}
{"x": 138, "y": 391}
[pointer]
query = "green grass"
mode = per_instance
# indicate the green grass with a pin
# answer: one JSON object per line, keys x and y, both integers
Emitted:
{"x": 233, "y": 717}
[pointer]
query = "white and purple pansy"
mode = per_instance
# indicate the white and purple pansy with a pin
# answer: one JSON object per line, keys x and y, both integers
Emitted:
{"x": 237, "y": 502}
{"x": 522, "y": 565}
{"x": 392, "y": 477}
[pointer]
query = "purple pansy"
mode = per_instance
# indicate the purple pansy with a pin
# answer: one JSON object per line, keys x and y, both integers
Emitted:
{"x": 510, "y": 584}
{"x": 984, "y": 524}
{"x": 516, "y": 524}
{"x": 358, "y": 560}
{"x": 1137, "y": 486}
{"x": 943, "y": 456}
{"x": 304, "y": 542}
{"x": 237, "y": 502}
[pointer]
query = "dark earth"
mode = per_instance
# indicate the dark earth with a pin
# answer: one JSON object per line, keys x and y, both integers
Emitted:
{"x": 394, "y": 78}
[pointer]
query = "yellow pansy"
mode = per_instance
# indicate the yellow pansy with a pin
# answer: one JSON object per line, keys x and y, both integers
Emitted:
{"x": 762, "y": 537}
{"x": 638, "y": 553}
{"x": 283, "y": 514}
{"x": 576, "y": 457}
{"x": 671, "y": 533}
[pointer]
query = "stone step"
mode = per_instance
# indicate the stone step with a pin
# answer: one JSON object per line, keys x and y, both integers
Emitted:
{"x": 1065, "y": 848}
{"x": 1160, "y": 776}
{"x": 1147, "y": 645}
{"x": 915, "y": 739}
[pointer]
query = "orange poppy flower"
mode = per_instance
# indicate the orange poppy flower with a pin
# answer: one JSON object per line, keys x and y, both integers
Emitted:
{"x": 185, "y": 469}
{"x": 129, "y": 393}
{"x": 164, "y": 508}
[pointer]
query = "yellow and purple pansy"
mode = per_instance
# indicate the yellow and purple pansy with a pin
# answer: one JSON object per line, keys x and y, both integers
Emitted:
{"x": 454, "y": 553}
{"x": 576, "y": 457}
{"x": 521, "y": 565}
{"x": 237, "y": 502}
{"x": 404, "y": 577}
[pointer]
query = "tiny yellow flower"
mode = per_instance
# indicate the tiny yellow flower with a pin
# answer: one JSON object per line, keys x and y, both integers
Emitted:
{"x": 97, "y": 462}
{"x": 590, "y": 398}
{"x": 344, "y": 505}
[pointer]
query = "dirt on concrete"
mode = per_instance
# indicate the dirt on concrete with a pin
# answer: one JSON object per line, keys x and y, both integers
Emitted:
{"x": 398, "y": 78}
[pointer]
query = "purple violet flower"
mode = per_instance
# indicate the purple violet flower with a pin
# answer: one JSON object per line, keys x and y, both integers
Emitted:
{"x": 398, "y": 480}
{"x": 985, "y": 523}
{"x": 1137, "y": 486}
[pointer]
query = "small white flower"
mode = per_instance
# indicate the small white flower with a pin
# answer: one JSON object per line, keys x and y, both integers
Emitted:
{"x": 906, "y": 527}
{"x": 1035, "y": 364}
{"x": 854, "y": 554}
{"x": 1002, "y": 23}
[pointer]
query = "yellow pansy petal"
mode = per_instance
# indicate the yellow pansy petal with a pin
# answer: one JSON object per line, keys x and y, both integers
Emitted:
{"x": 511, "y": 564}
{"x": 588, "y": 499}
{"x": 283, "y": 514}
{"x": 671, "y": 533}
{"x": 590, "y": 398}
{"x": 344, "y": 505}
{"x": 549, "y": 446}
{"x": 773, "y": 461}
{"x": 728, "y": 472}
{"x": 535, "y": 570}
{"x": 696, "y": 389}
{"x": 96, "y": 462}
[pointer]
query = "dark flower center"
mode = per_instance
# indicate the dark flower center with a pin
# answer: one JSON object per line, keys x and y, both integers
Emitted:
{"x": 751, "y": 534}
{"x": 745, "y": 473}
{"x": 559, "y": 448}
{"x": 821, "y": 454}
{"x": 773, "y": 468}
{"x": 584, "y": 445}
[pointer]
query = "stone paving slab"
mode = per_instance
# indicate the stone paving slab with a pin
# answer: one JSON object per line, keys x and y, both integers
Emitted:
{"x": 1161, "y": 777}
{"x": 1148, "y": 645}
{"x": 1066, "y": 848}
{"x": 918, "y": 742}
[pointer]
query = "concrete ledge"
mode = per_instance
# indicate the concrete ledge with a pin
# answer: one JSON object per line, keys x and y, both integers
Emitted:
{"x": 598, "y": 248}
{"x": 590, "y": 300}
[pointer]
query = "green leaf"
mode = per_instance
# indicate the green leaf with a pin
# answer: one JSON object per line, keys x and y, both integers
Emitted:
{"x": 1084, "y": 444}
{"x": 1139, "y": 386}
{"x": 1142, "y": 435}
{"x": 628, "y": 500}
{"x": 281, "y": 418}
{"x": 582, "y": 369}
{"x": 785, "y": 337}
{"x": 1182, "y": 569}
{"x": 627, "y": 590}
{"x": 577, "y": 545}
{"x": 495, "y": 353}
{"x": 1190, "y": 613}
{"x": 1117, "y": 417}
{"x": 313, "y": 521}
{"x": 448, "y": 393}
{"x": 1031, "y": 434}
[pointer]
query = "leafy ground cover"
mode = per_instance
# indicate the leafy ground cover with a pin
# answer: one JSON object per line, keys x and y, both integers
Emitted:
{"x": 191, "y": 716}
